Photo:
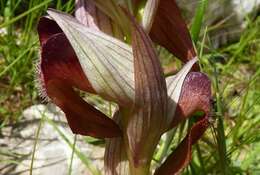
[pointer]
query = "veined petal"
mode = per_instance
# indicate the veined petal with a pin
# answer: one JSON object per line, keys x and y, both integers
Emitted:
{"x": 106, "y": 61}
{"x": 88, "y": 14}
{"x": 112, "y": 9}
{"x": 59, "y": 72}
{"x": 170, "y": 31}
{"x": 195, "y": 96}
{"x": 64, "y": 64}
{"x": 116, "y": 162}
{"x": 149, "y": 14}
{"x": 150, "y": 99}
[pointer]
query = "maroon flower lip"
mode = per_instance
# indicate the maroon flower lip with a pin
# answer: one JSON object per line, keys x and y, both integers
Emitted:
{"x": 195, "y": 96}
{"x": 84, "y": 57}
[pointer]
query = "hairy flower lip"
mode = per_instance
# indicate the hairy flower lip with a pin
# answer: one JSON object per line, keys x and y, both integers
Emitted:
{"x": 197, "y": 87}
{"x": 59, "y": 72}
{"x": 195, "y": 96}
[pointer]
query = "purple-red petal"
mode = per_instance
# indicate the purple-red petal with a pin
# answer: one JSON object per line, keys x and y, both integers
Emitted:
{"x": 170, "y": 31}
{"x": 59, "y": 61}
{"x": 181, "y": 156}
{"x": 47, "y": 28}
{"x": 59, "y": 73}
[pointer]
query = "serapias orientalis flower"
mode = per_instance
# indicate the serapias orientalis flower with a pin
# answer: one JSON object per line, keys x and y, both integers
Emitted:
{"x": 91, "y": 53}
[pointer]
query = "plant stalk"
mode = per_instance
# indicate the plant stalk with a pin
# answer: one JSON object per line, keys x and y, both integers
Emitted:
{"x": 140, "y": 170}
{"x": 220, "y": 128}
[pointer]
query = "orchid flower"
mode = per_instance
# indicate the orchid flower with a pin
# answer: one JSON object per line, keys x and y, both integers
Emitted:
{"x": 91, "y": 52}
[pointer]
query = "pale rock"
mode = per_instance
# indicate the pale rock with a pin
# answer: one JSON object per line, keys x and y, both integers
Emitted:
{"x": 52, "y": 154}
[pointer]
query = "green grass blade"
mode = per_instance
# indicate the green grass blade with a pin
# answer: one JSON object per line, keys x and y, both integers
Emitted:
{"x": 198, "y": 20}
{"x": 35, "y": 143}
{"x": 13, "y": 20}
{"x": 17, "y": 59}
{"x": 72, "y": 154}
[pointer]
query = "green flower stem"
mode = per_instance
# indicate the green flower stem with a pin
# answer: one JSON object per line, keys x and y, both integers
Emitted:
{"x": 140, "y": 170}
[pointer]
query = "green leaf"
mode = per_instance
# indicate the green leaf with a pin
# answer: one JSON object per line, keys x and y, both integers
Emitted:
{"x": 170, "y": 31}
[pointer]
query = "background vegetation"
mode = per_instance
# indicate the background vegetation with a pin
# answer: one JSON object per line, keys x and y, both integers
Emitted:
{"x": 230, "y": 146}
